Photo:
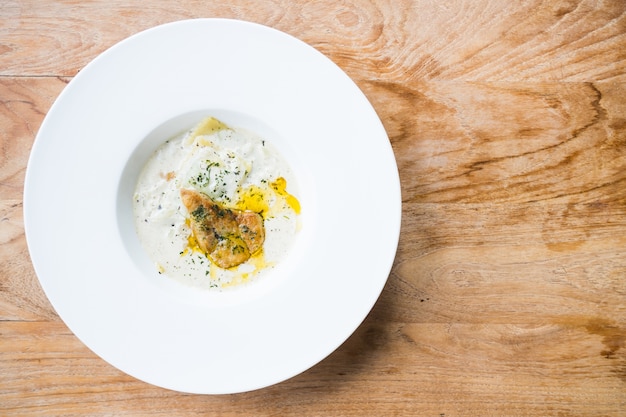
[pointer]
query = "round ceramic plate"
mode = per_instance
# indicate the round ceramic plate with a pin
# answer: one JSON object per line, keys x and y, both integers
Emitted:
{"x": 88, "y": 155}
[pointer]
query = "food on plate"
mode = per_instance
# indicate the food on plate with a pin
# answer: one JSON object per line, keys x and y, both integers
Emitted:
{"x": 228, "y": 237}
{"x": 212, "y": 206}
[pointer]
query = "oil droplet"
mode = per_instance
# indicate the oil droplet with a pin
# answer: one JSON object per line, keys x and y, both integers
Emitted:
{"x": 254, "y": 199}
{"x": 280, "y": 187}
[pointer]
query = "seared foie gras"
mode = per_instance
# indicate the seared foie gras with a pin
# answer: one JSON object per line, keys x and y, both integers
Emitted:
{"x": 228, "y": 237}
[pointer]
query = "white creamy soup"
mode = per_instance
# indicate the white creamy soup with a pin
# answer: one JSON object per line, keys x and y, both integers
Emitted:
{"x": 237, "y": 171}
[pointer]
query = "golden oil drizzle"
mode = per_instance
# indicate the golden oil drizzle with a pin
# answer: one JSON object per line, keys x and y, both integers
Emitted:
{"x": 280, "y": 187}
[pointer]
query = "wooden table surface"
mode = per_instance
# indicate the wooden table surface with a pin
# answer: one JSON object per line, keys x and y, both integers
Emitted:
{"x": 508, "y": 292}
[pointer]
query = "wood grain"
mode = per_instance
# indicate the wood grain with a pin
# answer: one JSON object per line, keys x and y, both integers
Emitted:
{"x": 390, "y": 40}
{"x": 508, "y": 292}
{"x": 467, "y": 144}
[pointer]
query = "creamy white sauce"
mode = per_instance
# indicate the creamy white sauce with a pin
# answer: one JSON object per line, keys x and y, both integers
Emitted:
{"x": 237, "y": 169}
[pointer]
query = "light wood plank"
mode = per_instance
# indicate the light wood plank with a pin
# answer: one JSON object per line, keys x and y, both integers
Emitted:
{"x": 23, "y": 104}
{"x": 408, "y": 40}
{"x": 506, "y": 142}
{"x": 446, "y": 369}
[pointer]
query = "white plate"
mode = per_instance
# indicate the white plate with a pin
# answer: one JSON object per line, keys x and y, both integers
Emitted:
{"x": 83, "y": 168}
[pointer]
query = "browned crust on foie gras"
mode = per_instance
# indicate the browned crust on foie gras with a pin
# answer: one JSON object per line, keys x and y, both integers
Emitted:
{"x": 228, "y": 237}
